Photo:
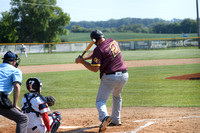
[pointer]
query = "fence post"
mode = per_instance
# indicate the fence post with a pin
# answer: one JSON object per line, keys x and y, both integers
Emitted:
{"x": 49, "y": 48}
{"x": 198, "y": 27}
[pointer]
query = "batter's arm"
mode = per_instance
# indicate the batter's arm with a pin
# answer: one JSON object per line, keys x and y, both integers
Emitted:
{"x": 88, "y": 56}
{"x": 85, "y": 57}
{"x": 87, "y": 64}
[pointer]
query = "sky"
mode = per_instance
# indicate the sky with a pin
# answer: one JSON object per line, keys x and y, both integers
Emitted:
{"x": 103, "y": 10}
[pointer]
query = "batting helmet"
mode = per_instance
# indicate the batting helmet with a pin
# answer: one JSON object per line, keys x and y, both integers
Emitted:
{"x": 96, "y": 34}
{"x": 34, "y": 85}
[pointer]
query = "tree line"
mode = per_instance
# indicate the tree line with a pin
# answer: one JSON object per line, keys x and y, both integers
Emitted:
{"x": 138, "y": 26}
{"x": 30, "y": 21}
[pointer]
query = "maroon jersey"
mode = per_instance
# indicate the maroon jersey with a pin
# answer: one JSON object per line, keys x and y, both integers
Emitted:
{"x": 108, "y": 56}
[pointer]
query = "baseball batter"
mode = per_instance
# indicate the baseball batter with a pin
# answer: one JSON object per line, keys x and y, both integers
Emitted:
{"x": 107, "y": 58}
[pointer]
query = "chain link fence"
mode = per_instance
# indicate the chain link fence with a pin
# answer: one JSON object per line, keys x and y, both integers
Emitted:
{"x": 81, "y": 46}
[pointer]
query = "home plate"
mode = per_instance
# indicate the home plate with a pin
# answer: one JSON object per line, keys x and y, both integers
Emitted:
{"x": 65, "y": 127}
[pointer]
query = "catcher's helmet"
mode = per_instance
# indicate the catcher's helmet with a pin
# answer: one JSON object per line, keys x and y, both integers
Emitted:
{"x": 34, "y": 85}
{"x": 96, "y": 34}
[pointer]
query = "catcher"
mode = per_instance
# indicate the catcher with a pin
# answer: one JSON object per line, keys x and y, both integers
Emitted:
{"x": 36, "y": 106}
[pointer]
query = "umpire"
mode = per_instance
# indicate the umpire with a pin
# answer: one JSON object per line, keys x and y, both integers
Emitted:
{"x": 107, "y": 58}
{"x": 10, "y": 80}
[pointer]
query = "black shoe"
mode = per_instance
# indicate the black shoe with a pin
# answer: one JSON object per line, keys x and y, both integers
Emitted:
{"x": 113, "y": 124}
{"x": 106, "y": 121}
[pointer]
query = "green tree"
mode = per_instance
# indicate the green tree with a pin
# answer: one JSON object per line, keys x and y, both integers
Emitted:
{"x": 78, "y": 29}
{"x": 160, "y": 28}
{"x": 174, "y": 28}
{"x": 189, "y": 26}
{"x": 38, "y": 20}
{"x": 121, "y": 28}
{"x": 136, "y": 28}
{"x": 8, "y": 30}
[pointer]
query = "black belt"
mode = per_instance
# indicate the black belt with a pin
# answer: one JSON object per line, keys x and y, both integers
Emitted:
{"x": 115, "y": 72}
{"x": 34, "y": 128}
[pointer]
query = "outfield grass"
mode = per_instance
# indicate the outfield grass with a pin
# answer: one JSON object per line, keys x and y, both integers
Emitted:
{"x": 74, "y": 37}
{"x": 62, "y": 58}
{"x": 147, "y": 86}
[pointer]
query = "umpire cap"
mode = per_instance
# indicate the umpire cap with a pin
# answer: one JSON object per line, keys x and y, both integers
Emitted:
{"x": 96, "y": 34}
{"x": 10, "y": 56}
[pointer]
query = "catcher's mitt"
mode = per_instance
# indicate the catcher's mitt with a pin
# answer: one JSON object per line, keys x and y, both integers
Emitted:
{"x": 50, "y": 100}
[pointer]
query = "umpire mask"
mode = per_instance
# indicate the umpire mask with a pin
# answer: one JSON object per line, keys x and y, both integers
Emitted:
{"x": 10, "y": 56}
{"x": 17, "y": 61}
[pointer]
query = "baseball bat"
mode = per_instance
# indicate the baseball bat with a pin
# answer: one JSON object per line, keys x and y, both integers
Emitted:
{"x": 88, "y": 47}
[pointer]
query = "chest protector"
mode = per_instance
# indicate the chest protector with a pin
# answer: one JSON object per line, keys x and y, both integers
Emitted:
{"x": 27, "y": 108}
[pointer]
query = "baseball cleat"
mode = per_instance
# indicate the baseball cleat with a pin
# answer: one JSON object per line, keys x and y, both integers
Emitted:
{"x": 106, "y": 121}
{"x": 113, "y": 124}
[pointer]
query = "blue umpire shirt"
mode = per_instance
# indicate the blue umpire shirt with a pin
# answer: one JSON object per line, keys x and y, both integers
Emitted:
{"x": 8, "y": 75}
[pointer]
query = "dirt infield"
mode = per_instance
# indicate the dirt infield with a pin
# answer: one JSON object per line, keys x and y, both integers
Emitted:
{"x": 138, "y": 63}
{"x": 134, "y": 119}
{"x": 195, "y": 76}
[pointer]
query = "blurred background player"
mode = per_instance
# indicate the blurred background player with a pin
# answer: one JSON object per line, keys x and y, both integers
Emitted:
{"x": 35, "y": 106}
{"x": 10, "y": 80}
{"x": 23, "y": 49}
{"x": 107, "y": 58}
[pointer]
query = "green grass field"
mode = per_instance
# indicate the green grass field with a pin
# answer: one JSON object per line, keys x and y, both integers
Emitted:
{"x": 62, "y": 58}
{"x": 147, "y": 86}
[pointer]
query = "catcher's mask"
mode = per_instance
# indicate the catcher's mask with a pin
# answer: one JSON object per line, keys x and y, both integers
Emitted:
{"x": 34, "y": 85}
{"x": 96, "y": 34}
{"x": 10, "y": 56}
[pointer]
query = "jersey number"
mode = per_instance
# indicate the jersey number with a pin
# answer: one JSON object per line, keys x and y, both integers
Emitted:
{"x": 114, "y": 48}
